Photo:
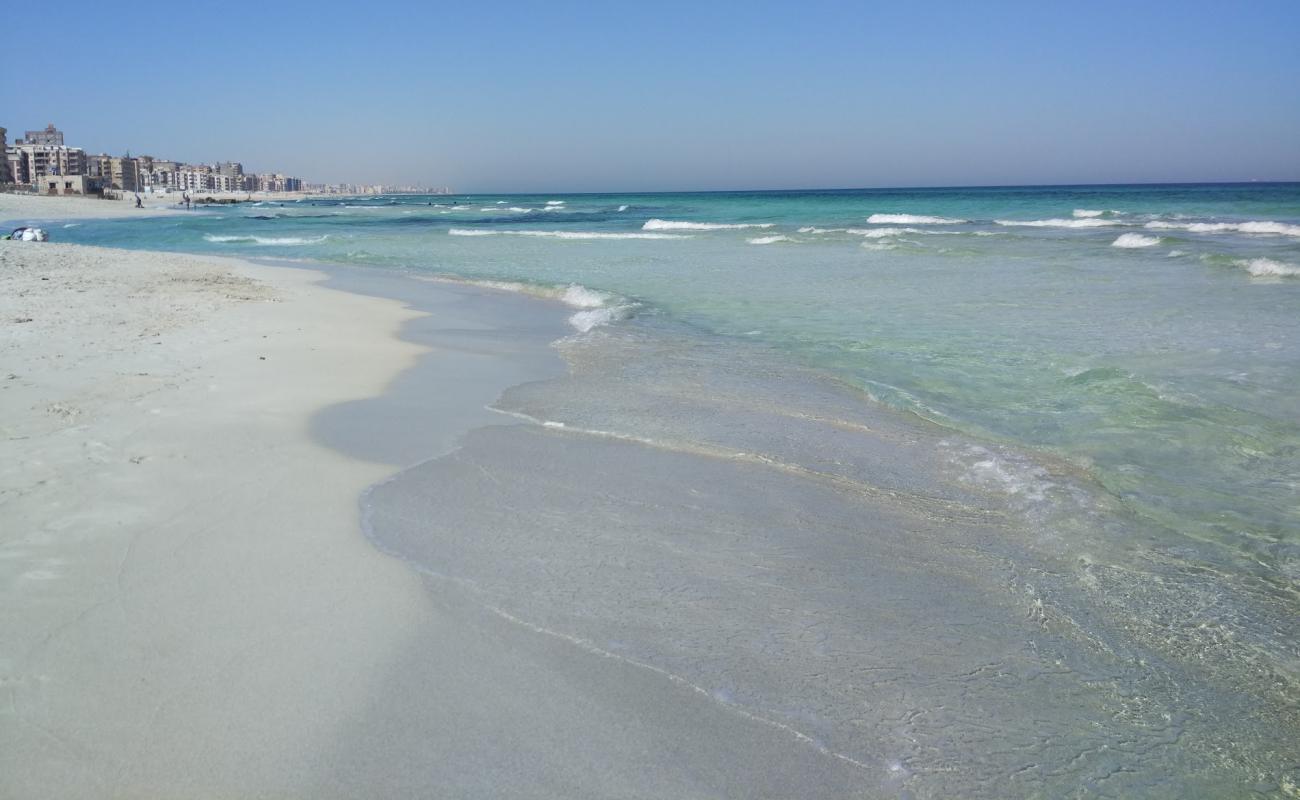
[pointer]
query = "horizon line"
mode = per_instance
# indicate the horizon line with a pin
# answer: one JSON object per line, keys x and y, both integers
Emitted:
{"x": 1250, "y": 182}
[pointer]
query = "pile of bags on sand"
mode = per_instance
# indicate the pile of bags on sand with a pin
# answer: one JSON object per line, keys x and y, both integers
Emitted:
{"x": 27, "y": 235}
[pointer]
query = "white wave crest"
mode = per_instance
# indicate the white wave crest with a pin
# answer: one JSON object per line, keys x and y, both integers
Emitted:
{"x": 1133, "y": 240}
{"x": 622, "y": 208}
{"x": 769, "y": 239}
{"x": 580, "y": 296}
{"x": 911, "y": 219}
{"x": 1263, "y": 226}
{"x": 72, "y": 224}
{"x": 672, "y": 225}
{"x": 594, "y": 308}
{"x": 565, "y": 234}
{"x": 1085, "y": 213}
{"x": 266, "y": 240}
{"x": 881, "y": 233}
{"x": 1268, "y": 268}
{"x": 1056, "y": 223}
{"x": 554, "y": 202}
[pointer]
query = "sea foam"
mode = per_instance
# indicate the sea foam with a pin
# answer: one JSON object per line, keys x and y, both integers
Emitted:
{"x": 911, "y": 219}
{"x": 1133, "y": 240}
{"x": 1264, "y": 226}
{"x": 1268, "y": 268}
{"x": 595, "y": 308}
{"x": 1056, "y": 223}
{"x": 565, "y": 234}
{"x": 770, "y": 239}
{"x": 266, "y": 240}
{"x": 673, "y": 225}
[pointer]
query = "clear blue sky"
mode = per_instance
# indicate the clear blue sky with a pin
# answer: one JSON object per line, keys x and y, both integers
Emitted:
{"x": 553, "y": 96}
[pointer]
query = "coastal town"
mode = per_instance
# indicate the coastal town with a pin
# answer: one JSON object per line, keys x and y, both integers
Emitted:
{"x": 41, "y": 162}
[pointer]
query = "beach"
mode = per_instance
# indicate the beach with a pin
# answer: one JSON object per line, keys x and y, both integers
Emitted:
{"x": 35, "y": 207}
{"x": 191, "y": 609}
{"x": 180, "y": 560}
{"x": 382, "y": 526}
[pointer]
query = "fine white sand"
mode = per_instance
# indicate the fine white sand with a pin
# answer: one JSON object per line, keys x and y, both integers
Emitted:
{"x": 187, "y": 607}
{"x": 32, "y": 208}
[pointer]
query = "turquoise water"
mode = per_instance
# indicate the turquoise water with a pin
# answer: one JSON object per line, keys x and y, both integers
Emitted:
{"x": 970, "y": 492}
{"x": 1168, "y": 371}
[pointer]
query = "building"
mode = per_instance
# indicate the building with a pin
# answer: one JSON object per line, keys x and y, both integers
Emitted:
{"x": 5, "y": 175}
{"x": 14, "y": 165}
{"x": 35, "y": 161}
{"x": 42, "y": 154}
{"x": 68, "y": 184}
{"x": 51, "y": 136}
{"x": 194, "y": 178}
{"x": 124, "y": 174}
{"x": 275, "y": 183}
{"x": 99, "y": 166}
{"x": 162, "y": 174}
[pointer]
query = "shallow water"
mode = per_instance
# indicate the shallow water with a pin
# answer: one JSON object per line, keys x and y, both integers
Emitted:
{"x": 969, "y": 505}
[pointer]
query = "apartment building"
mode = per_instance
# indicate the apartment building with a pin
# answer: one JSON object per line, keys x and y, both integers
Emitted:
{"x": 35, "y": 161}
{"x": 6, "y": 176}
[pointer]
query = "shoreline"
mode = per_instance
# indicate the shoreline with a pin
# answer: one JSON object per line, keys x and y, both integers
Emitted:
{"x": 38, "y": 208}
{"x": 614, "y": 597}
{"x": 190, "y": 606}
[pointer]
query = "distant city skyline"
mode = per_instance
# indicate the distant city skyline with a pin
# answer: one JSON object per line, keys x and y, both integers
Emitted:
{"x": 725, "y": 95}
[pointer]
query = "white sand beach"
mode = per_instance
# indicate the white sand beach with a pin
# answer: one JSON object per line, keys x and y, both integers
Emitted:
{"x": 177, "y": 554}
{"x": 35, "y": 207}
{"x": 189, "y": 606}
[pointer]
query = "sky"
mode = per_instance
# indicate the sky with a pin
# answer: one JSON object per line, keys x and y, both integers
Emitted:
{"x": 618, "y": 96}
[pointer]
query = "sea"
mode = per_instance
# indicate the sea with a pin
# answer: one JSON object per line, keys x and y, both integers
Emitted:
{"x": 976, "y": 491}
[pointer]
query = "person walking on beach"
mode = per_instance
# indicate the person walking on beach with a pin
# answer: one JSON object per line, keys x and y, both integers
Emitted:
{"x": 138, "y": 204}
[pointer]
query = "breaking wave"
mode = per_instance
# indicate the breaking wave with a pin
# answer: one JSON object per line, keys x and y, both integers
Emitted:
{"x": 266, "y": 240}
{"x": 672, "y": 225}
{"x": 1268, "y": 268}
{"x": 770, "y": 239}
{"x": 593, "y": 307}
{"x": 881, "y": 233}
{"x": 1056, "y": 223}
{"x": 911, "y": 219}
{"x": 1265, "y": 226}
{"x": 1132, "y": 240}
{"x": 565, "y": 234}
